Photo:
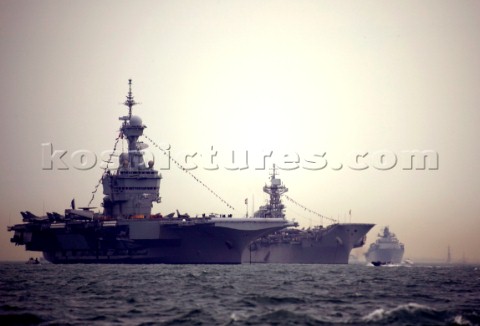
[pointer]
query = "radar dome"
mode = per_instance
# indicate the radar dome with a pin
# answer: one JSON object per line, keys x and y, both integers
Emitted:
{"x": 135, "y": 121}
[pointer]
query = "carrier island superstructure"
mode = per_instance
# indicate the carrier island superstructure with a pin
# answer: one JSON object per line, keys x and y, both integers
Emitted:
{"x": 319, "y": 245}
{"x": 127, "y": 231}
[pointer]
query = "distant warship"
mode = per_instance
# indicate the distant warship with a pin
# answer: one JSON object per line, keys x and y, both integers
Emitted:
{"x": 318, "y": 245}
{"x": 127, "y": 232}
{"x": 386, "y": 249}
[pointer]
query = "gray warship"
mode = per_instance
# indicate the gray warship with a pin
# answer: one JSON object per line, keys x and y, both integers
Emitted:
{"x": 387, "y": 249}
{"x": 127, "y": 231}
{"x": 318, "y": 245}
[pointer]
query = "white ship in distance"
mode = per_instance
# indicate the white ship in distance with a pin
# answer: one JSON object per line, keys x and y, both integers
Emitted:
{"x": 387, "y": 249}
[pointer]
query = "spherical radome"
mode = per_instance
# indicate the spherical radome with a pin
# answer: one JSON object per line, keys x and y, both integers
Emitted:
{"x": 135, "y": 121}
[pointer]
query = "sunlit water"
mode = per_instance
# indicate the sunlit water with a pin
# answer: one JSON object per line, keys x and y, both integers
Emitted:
{"x": 238, "y": 295}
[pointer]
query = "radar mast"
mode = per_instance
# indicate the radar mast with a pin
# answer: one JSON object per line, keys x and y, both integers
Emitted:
{"x": 130, "y": 102}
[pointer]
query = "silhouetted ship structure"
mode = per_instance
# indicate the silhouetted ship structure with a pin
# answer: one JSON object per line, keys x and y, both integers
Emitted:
{"x": 386, "y": 249}
{"x": 319, "y": 245}
{"x": 127, "y": 232}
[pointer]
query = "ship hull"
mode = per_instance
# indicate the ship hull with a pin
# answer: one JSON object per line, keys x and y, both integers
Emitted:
{"x": 331, "y": 245}
{"x": 393, "y": 256}
{"x": 193, "y": 241}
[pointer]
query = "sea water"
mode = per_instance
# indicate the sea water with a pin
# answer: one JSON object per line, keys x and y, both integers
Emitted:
{"x": 49, "y": 294}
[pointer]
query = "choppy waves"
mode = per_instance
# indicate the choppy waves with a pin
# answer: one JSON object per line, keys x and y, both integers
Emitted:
{"x": 238, "y": 295}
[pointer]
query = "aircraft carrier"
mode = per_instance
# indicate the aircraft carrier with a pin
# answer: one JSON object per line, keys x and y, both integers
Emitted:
{"x": 127, "y": 231}
{"x": 319, "y": 245}
{"x": 387, "y": 249}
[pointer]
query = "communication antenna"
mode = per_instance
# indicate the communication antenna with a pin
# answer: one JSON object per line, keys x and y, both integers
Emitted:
{"x": 130, "y": 102}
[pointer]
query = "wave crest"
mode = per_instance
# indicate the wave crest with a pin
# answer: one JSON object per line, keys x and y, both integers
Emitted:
{"x": 404, "y": 313}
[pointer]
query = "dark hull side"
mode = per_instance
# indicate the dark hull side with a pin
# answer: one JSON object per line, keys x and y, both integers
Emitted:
{"x": 142, "y": 242}
{"x": 195, "y": 246}
{"x": 297, "y": 254}
{"x": 329, "y": 246}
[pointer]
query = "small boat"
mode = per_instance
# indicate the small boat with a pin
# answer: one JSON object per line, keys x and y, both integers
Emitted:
{"x": 32, "y": 261}
{"x": 383, "y": 263}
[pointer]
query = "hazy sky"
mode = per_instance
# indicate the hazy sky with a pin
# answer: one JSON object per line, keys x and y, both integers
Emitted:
{"x": 305, "y": 77}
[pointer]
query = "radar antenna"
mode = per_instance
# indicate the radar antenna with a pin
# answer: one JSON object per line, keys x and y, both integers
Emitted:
{"x": 130, "y": 102}
{"x": 273, "y": 172}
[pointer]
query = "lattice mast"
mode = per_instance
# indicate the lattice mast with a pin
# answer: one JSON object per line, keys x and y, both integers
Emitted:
{"x": 275, "y": 190}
